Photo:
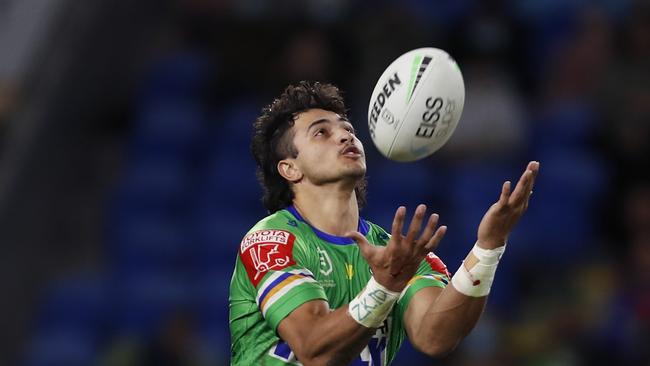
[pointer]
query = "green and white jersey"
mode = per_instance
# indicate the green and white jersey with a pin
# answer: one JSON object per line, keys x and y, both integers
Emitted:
{"x": 283, "y": 262}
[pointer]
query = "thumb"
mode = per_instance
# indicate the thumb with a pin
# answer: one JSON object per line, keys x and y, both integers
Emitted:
{"x": 364, "y": 246}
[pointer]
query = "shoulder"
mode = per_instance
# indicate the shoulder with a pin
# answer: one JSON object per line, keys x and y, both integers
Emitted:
{"x": 282, "y": 220}
{"x": 274, "y": 224}
{"x": 273, "y": 244}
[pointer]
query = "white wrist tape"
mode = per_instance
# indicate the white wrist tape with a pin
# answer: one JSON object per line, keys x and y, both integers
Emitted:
{"x": 477, "y": 281}
{"x": 371, "y": 307}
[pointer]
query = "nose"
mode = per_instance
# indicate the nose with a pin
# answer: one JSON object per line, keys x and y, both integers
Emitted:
{"x": 346, "y": 136}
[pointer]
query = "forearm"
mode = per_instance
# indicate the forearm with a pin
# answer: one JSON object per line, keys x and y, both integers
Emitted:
{"x": 323, "y": 345}
{"x": 315, "y": 333}
{"x": 451, "y": 317}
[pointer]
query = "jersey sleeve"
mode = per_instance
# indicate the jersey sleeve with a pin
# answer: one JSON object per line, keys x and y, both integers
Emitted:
{"x": 431, "y": 273}
{"x": 276, "y": 267}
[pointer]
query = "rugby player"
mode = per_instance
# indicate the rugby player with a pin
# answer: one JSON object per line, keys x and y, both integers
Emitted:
{"x": 316, "y": 284}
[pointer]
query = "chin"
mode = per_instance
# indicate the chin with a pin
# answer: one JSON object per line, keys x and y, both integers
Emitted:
{"x": 357, "y": 172}
{"x": 350, "y": 174}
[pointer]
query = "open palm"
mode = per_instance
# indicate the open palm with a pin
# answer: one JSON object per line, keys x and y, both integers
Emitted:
{"x": 396, "y": 263}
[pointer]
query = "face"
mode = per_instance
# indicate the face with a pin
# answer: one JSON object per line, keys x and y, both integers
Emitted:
{"x": 328, "y": 150}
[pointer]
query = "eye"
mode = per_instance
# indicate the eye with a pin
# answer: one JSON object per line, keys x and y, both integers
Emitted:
{"x": 320, "y": 131}
{"x": 350, "y": 129}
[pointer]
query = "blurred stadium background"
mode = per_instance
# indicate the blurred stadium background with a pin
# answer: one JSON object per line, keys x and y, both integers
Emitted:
{"x": 126, "y": 182}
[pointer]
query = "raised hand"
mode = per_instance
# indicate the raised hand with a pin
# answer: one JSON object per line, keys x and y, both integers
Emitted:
{"x": 396, "y": 263}
{"x": 501, "y": 217}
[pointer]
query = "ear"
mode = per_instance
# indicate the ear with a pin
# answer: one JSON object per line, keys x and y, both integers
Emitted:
{"x": 289, "y": 170}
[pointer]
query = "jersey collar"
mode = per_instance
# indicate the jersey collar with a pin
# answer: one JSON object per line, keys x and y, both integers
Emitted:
{"x": 363, "y": 228}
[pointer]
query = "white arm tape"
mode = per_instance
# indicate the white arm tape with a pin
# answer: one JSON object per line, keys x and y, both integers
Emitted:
{"x": 478, "y": 281}
{"x": 371, "y": 307}
{"x": 488, "y": 256}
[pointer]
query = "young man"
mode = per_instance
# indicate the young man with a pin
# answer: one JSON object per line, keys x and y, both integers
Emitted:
{"x": 315, "y": 284}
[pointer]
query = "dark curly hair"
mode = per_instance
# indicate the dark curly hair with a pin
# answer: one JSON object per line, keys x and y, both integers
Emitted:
{"x": 273, "y": 139}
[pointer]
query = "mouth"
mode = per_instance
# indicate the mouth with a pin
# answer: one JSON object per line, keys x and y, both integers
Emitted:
{"x": 351, "y": 151}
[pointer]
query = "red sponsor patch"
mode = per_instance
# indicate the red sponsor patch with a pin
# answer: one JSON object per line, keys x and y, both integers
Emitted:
{"x": 266, "y": 250}
{"x": 437, "y": 264}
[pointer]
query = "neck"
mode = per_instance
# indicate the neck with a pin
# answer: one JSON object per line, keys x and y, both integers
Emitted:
{"x": 330, "y": 208}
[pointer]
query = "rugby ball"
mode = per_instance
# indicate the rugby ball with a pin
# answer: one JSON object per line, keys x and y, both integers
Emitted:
{"x": 416, "y": 104}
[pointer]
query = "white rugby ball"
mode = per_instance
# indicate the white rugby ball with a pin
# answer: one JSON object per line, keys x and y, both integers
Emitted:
{"x": 416, "y": 104}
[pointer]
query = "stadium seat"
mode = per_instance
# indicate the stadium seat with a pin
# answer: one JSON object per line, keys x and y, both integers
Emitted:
{"x": 143, "y": 299}
{"x": 61, "y": 348}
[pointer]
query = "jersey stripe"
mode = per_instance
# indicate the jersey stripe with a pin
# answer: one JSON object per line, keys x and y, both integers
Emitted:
{"x": 285, "y": 282}
{"x": 282, "y": 289}
{"x": 279, "y": 277}
{"x": 280, "y": 283}
{"x": 272, "y": 281}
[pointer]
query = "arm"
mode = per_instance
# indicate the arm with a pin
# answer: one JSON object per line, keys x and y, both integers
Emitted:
{"x": 437, "y": 320}
{"x": 315, "y": 333}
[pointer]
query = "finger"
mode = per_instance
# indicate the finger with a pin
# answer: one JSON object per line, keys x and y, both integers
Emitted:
{"x": 364, "y": 246}
{"x": 398, "y": 222}
{"x": 534, "y": 167}
{"x": 527, "y": 181}
{"x": 521, "y": 189}
{"x": 416, "y": 224}
{"x": 428, "y": 230}
{"x": 505, "y": 193}
{"x": 433, "y": 243}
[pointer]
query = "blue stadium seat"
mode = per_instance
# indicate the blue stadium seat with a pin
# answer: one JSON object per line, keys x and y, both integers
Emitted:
{"x": 232, "y": 127}
{"x": 180, "y": 75}
{"x": 143, "y": 299}
{"x": 217, "y": 235}
{"x": 149, "y": 241}
{"x": 75, "y": 302}
{"x": 473, "y": 189}
{"x": 173, "y": 127}
{"x": 231, "y": 183}
{"x": 210, "y": 288}
{"x": 155, "y": 179}
{"x": 211, "y": 310}
{"x": 392, "y": 184}
{"x": 565, "y": 125}
{"x": 61, "y": 348}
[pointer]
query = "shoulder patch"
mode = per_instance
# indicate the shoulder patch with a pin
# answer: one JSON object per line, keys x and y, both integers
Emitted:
{"x": 265, "y": 250}
{"x": 437, "y": 264}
